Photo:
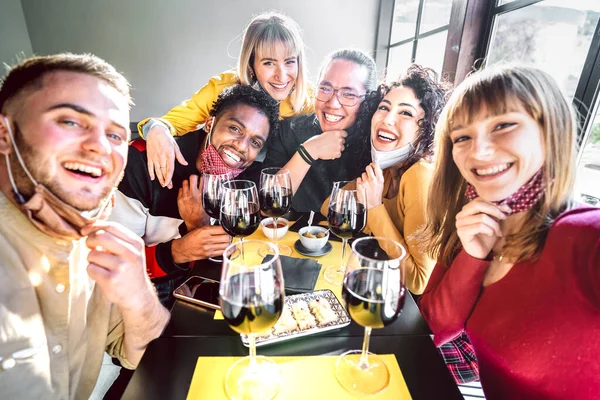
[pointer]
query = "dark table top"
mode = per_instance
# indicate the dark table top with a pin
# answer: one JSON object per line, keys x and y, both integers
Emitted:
{"x": 166, "y": 370}
{"x": 191, "y": 320}
{"x": 167, "y": 367}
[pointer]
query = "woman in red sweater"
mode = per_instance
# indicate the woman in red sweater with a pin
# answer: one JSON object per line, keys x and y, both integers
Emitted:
{"x": 518, "y": 262}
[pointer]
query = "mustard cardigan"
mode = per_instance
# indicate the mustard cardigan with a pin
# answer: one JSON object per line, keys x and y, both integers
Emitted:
{"x": 400, "y": 217}
{"x": 187, "y": 116}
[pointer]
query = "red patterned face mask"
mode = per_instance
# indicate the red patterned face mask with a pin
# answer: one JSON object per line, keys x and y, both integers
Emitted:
{"x": 212, "y": 163}
{"x": 522, "y": 200}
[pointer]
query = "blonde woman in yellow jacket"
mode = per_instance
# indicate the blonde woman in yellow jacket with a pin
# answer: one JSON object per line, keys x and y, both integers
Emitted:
{"x": 272, "y": 59}
{"x": 398, "y": 179}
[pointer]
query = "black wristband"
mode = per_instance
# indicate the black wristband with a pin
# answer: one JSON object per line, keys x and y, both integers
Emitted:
{"x": 304, "y": 155}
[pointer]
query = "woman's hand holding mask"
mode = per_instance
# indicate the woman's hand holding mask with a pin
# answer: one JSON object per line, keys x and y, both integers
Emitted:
{"x": 372, "y": 180}
{"x": 478, "y": 226}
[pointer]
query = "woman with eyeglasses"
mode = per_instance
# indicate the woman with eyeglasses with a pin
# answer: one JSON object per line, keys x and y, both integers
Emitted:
{"x": 271, "y": 59}
{"x": 518, "y": 261}
{"x": 331, "y": 144}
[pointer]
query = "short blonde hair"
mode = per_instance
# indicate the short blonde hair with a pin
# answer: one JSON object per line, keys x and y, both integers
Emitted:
{"x": 260, "y": 37}
{"x": 498, "y": 90}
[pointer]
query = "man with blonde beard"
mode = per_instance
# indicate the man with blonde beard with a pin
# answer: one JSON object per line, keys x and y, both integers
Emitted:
{"x": 71, "y": 284}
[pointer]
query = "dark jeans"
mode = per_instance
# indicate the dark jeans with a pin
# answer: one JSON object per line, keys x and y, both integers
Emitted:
{"x": 165, "y": 287}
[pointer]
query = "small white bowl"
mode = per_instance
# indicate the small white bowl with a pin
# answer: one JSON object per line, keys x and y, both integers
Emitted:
{"x": 313, "y": 244}
{"x": 267, "y": 227}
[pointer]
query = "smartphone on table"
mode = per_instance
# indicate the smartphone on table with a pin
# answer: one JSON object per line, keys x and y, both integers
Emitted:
{"x": 199, "y": 290}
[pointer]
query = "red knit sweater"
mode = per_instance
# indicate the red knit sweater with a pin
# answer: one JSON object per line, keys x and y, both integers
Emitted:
{"x": 536, "y": 332}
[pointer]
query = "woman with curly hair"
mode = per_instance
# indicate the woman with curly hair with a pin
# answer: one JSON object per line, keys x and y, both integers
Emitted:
{"x": 398, "y": 179}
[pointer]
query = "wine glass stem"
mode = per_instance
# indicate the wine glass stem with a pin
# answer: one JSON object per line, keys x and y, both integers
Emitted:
{"x": 252, "y": 346}
{"x": 364, "y": 362}
{"x": 242, "y": 248}
{"x": 342, "y": 266}
{"x": 275, "y": 220}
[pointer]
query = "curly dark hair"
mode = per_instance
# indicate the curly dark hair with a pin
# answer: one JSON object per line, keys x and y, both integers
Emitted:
{"x": 431, "y": 92}
{"x": 256, "y": 98}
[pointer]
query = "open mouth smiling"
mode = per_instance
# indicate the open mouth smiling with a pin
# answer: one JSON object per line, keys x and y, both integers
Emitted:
{"x": 83, "y": 170}
{"x": 491, "y": 171}
{"x": 231, "y": 157}
{"x": 332, "y": 118}
{"x": 386, "y": 136}
{"x": 280, "y": 86}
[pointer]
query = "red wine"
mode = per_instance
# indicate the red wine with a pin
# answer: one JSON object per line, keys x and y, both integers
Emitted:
{"x": 365, "y": 301}
{"x": 275, "y": 203}
{"x": 349, "y": 223}
{"x": 243, "y": 222}
{"x": 211, "y": 206}
{"x": 254, "y": 313}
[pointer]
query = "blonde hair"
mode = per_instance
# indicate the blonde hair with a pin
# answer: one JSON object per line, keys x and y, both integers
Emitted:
{"x": 260, "y": 37}
{"x": 498, "y": 90}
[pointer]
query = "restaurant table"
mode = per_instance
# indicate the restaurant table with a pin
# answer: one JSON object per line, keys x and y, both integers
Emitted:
{"x": 167, "y": 367}
{"x": 166, "y": 370}
{"x": 192, "y": 320}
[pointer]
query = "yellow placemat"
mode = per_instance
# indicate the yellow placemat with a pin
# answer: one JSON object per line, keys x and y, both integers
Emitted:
{"x": 302, "y": 378}
{"x": 332, "y": 258}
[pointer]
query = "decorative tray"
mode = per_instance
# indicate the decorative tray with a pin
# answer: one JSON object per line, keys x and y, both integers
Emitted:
{"x": 305, "y": 314}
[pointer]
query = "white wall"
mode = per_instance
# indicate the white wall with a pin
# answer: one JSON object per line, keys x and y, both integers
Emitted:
{"x": 14, "y": 38}
{"x": 169, "y": 49}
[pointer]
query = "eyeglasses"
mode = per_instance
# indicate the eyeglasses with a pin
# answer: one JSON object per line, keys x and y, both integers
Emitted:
{"x": 346, "y": 97}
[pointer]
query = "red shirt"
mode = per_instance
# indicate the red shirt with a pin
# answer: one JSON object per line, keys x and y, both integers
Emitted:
{"x": 536, "y": 331}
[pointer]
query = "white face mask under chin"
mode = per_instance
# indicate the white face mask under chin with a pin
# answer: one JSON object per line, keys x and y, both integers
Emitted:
{"x": 386, "y": 159}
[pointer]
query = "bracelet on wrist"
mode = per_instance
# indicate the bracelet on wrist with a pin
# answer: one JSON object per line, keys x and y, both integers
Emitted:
{"x": 305, "y": 155}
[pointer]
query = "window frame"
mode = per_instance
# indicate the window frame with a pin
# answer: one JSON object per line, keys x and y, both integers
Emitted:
{"x": 588, "y": 86}
{"x": 384, "y": 32}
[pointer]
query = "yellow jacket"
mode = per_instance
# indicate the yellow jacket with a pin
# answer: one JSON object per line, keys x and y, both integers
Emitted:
{"x": 186, "y": 117}
{"x": 400, "y": 217}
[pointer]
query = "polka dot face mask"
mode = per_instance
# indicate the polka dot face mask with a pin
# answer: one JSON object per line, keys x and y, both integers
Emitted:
{"x": 521, "y": 200}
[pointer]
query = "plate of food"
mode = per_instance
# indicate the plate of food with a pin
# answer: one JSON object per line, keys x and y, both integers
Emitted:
{"x": 305, "y": 314}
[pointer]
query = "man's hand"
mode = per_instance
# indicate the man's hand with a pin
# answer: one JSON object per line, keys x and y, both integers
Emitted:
{"x": 201, "y": 243}
{"x": 372, "y": 181}
{"x": 326, "y": 146}
{"x": 162, "y": 150}
{"x": 117, "y": 263}
{"x": 189, "y": 202}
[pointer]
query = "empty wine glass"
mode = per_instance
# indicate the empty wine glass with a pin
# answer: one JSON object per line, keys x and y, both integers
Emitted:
{"x": 276, "y": 198}
{"x": 374, "y": 294}
{"x": 251, "y": 298}
{"x": 347, "y": 217}
{"x": 240, "y": 212}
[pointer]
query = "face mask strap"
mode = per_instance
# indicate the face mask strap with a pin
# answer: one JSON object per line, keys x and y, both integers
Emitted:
{"x": 209, "y": 137}
{"x": 18, "y": 196}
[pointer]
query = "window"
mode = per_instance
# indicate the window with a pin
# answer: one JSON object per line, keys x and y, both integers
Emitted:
{"x": 563, "y": 38}
{"x": 419, "y": 29}
{"x": 552, "y": 34}
{"x": 588, "y": 171}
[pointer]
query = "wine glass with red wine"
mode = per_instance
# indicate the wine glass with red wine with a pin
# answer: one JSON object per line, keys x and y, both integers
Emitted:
{"x": 276, "y": 198}
{"x": 347, "y": 217}
{"x": 212, "y": 194}
{"x": 373, "y": 292}
{"x": 251, "y": 298}
{"x": 240, "y": 211}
